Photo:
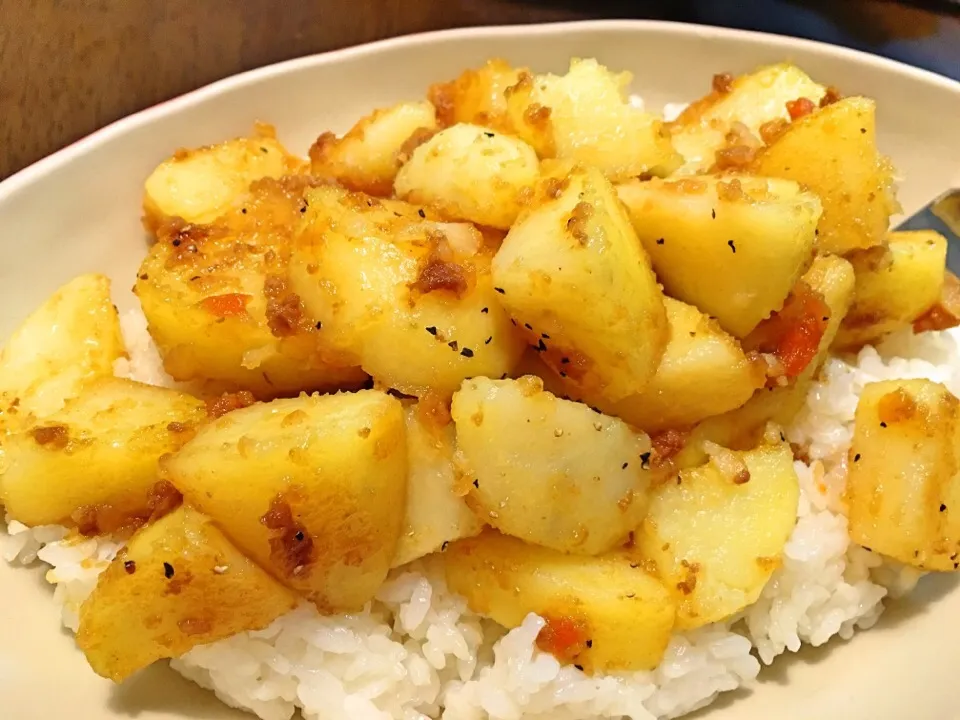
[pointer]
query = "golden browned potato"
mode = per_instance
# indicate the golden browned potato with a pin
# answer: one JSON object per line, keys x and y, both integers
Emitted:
{"x": 468, "y": 172}
{"x": 94, "y": 462}
{"x": 704, "y": 372}
{"x": 477, "y": 96}
{"x": 585, "y": 116}
{"x": 200, "y": 185}
{"x": 312, "y": 489}
{"x": 716, "y": 533}
{"x": 410, "y": 299}
{"x": 436, "y": 512}
{"x": 739, "y": 105}
{"x": 945, "y": 312}
{"x": 903, "y": 489}
{"x": 833, "y": 153}
{"x": 73, "y": 338}
{"x": 601, "y": 613}
{"x": 220, "y": 309}
{"x": 896, "y": 284}
{"x": 731, "y": 246}
{"x": 830, "y": 279}
{"x": 573, "y": 275}
{"x": 179, "y": 583}
{"x": 549, "y": 471}
{"x": 368, "y": 156}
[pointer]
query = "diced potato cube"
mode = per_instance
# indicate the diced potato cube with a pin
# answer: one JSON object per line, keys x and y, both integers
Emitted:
{"x": 73, "y": 338}
{"x": 94, "y": 462}
{"x": 219, "y": 306}
{"x": 200, "y": 185}
{"x": 752, "y": 237}
{"x": 476, "y": 96}
{"x": 748, "y": 101}
{"x": 716, "y": 534}
{"x": 585, "y": 116}
{"x": 832, "y": 279}
{"x": 436, "y": 512}
{"x": 311, "y": 488}
{"x": 573, "y": 274}
{"x": 378, "y": 282}
{"x": 903, "y": 489}
{"x": 602, "y": 613}
{"x": 896, "y": 284}
{"x": 833, "y": 153}
{"x": 549, "y": 471}
{"x": 179, "y": 583}
{"x": 467, "y": 172}
{"x": 704, "y": 372}
{"x": 368, "y": 157}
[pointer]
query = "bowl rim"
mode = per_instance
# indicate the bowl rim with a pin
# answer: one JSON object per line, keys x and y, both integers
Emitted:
{"x": 89, "y": 143}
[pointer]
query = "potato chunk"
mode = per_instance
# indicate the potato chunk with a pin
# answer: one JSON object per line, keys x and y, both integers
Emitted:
{"x": 602, "y": 613}
{"x": 467, "y": 172}
{"x": 832, "y": 279}
{"x": 585, "y": 116}
{"x": 73, "y": 338}
{"x": 436, "y": 512}
{"x": 833, "y": 153}
{"x": 896, "y": 284}
{"x": 574, "y": 275}
{"x": 477, "y": 96}
{"x": 368, "y": 157}
{"x": 753, "y": 237}
{"x": 703, "y": 372}
{"x": 200, "y": 185}
{"x": 747, "y": 102}
{"x": 312, "y": 488}
{"x": 94, "y": 462}
{"x": 717, "y": 532}
{"x": 179, "y": 583}
{"x": 219, "y": 306}
{"x": 379, "y": 283}
{"x": 549, "y": 471}
{"x": 903, "y": 490}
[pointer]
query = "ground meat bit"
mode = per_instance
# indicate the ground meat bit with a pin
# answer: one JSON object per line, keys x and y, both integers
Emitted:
{"x": 443, "y": 98}
{"x": 946, "y": 313}
{"x": 793, "y": 334}
{"x": 563, "y": 636}
{"x": 56, "y": 436}
{"x": 162, "y": 499}
{"x": 831, "y": 96}
{"x": 896, "y": 406}
{"x": 734, "y": 158}
{"x": 284, "y": 309}
{"x": 771, "y": 131}
{"x": 228, "y": 402}
{"x": 416, "y": 139}
{"x": 689, "y": 584}
{"x": 723, "y": 83}
{"x": 731, "y": 191}
{"x": 321, "y": 148}
{"x": 291, "y": 546}
{"x": 437, "y": 274}
{"x": 577, "y": 223}
{"x": 800, "y": 107}
{"x": 537, "y": 115}
{"x": 666, "y": 444}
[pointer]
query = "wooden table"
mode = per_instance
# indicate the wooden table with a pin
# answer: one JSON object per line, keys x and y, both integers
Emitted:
{"x": 68, "y": 67}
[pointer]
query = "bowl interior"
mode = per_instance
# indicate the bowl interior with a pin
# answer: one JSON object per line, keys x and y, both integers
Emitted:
{"x": 79, "y": 212}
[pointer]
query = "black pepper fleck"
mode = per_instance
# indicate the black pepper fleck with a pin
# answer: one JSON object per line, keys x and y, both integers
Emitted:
{"x": 476, "y": 483}
{"x": 421, "y": 213}
{"x": 856, "y": 458}
{"x": 528, "y": 326}
{"x": 443, "y": 547}
{"x": 882, "y": 424}
{"x": 942, "y": 507}
{"x": 562, "y": 374}
{"x": 624, "y": 466}
{"x": 167, "y": 570}
{"x": 319, "y": 325}
{"x": 713, "y": 213}
{"x": 540, "y": 346}
{"x": 130, "y": 566}
{"x": 467, "y": 352}
{"x": 176, "y": 242}
{"x": 579, "y": 667}
{"x": 544, "y": 336}
{"x": 299, "y": 536}
{"x": 500, "y": 290}
{"x": 564, "y": 361}
{"x": 488, "y": 134}
{"x": 453, "y": 345}
{"x": 732, "y": 246}
{"x": 485, "y": 311}
{"x": 432, "y": 330}
{"x": 661, "y": 241}
{"x": 488, "y": 340}
{"x": 863, "y": 131}
{"x": 243, "y": 210}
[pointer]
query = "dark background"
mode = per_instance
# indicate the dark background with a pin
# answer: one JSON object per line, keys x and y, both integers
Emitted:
{"x": 68, "y": 67}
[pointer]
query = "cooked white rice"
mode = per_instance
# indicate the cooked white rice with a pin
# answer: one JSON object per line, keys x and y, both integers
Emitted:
{"x": 417, "y": 652}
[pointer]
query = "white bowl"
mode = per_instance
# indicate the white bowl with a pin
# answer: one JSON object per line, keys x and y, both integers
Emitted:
{"x": 79, "y": 211}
